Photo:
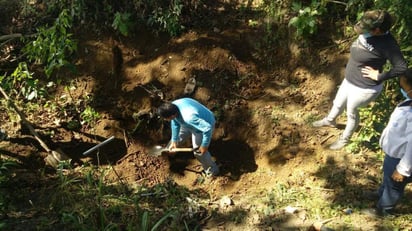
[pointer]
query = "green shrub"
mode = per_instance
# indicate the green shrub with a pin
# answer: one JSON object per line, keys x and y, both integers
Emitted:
{"x": 89, "y": 116}
{"x": 22, "y": 82}
{"x": 168, "y": 18}
{"x": 305, "y": 22}
{"x": 123, "y": 23}
{"x": 53, "y": 45}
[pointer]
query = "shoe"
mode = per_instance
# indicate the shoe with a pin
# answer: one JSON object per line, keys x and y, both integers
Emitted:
{"x": 340, "y": 143}
{"x": 209, "y": 173}
{"x": 190, "y": 86}
{"x": 376, "y": 213}
{"x": 3, "y": 135}
{"x": 324, "y": 123}
{"x": 371, "y": 195}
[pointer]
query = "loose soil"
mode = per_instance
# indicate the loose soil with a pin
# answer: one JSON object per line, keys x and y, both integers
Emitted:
{"x": 263, "y": 136}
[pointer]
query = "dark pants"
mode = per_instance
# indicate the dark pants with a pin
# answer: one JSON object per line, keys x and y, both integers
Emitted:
{"x": 390, "y": 192}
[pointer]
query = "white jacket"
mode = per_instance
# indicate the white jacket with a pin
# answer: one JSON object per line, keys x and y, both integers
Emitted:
{"x": 396, "y": 138}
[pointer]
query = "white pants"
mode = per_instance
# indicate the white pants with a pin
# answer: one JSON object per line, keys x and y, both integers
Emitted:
{"x": 351, "y": 97}
{"x": 205, "y": 159}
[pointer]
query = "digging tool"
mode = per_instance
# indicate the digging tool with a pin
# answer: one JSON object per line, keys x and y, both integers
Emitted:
{"x": 158, "y": 150}
{"x": 54, "y": 157}
{"x": 98, "y": 145}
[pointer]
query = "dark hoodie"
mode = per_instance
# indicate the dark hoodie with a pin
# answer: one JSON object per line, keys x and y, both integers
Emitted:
{"x": 374, "y": 51}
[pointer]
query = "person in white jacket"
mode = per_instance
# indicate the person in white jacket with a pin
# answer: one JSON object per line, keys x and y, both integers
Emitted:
{"x": 396, "y": 142}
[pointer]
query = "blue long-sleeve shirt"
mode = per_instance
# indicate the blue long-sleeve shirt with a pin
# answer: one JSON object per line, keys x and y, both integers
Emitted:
{"x": 396, "y": 138}
{"x": 195, "y": 117}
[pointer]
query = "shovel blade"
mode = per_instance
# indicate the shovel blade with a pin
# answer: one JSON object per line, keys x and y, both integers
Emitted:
{"x": 156, "y": 150}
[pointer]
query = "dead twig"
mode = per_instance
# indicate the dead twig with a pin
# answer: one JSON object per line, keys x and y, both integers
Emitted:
{"x": 126, "y": 140}
{"x": 338, "y": 2}
{"x": 154, "y": 92}
{"x": 322, "y": 189}
{"x": 126, "y": 156}
{"x": 326, "y": 139}
{"x": 10, "y": 36}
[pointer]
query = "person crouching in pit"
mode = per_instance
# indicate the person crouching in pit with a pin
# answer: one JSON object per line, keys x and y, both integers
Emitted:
{"x": 188, "y": 118}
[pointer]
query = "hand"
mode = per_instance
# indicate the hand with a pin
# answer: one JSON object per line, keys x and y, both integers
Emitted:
{"x": 369, "y": 72}
{"x": 172, "y": 146}
{"x": 396, "y": 176}
{"x": 203, "y": 149}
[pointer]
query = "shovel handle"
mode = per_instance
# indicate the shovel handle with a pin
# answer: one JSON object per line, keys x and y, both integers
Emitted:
{"x": 25, "y": 121}
{"x": 182, "y": 150}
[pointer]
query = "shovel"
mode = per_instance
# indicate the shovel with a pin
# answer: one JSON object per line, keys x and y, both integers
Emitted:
{"x": 54, "y": 156}
{"x": 158, "y": 150}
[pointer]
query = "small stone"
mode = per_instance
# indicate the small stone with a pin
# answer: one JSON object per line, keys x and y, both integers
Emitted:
{"x": 225, "y": 202}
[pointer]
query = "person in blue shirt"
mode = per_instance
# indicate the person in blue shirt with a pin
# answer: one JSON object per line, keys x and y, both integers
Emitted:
{"x": 396, "y": 142}
{"x": 188, "y": 118}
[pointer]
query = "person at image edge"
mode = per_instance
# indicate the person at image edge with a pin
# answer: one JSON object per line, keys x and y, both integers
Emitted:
{"x": 364, "y": 75}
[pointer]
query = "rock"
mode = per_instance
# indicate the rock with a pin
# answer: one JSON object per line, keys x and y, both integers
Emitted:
{"x": 225, "y": 202}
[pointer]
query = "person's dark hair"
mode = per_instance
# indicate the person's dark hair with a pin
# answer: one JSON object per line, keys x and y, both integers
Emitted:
{"x": 406, "y": 80}
{"x": 167, "y": 110}
{"x": 375, "y": 19}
